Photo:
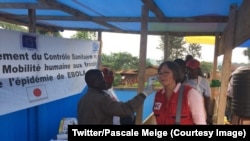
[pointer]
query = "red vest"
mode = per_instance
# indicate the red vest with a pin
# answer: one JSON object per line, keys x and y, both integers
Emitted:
{"x": 165, "y": 111}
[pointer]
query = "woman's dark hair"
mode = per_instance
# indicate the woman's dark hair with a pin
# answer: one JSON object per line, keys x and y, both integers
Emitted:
{"x": 175, "y": 68}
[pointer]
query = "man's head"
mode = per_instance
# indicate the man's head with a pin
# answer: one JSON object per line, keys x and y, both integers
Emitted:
{"x": 109, "y": 77}
{"x": 188, "y": 57}
{"x": 94, "y": 79}
{"x": 181, "y": 63}
{"x": 193, "y": 67}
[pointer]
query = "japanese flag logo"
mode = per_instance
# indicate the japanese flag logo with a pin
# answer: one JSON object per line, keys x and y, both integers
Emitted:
{"x": 37, "y": 93}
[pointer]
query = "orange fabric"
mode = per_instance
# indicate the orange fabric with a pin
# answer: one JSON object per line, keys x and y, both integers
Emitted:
{"x": 108, "y": 75}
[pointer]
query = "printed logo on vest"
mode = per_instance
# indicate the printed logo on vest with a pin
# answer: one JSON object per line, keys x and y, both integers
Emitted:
{"x": 157, "y": 106}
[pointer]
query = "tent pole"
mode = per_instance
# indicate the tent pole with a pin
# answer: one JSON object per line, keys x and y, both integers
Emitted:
{"x": 142, "y": 58}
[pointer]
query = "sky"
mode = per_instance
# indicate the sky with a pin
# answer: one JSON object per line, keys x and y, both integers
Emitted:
{"x": 120, "y": 42}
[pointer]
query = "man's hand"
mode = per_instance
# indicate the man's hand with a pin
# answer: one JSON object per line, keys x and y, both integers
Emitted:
{"x": 152, "y": 79}
{"x": 149, "y": 89}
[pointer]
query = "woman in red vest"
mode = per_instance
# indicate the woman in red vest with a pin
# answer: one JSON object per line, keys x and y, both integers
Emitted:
{"x": 166, "y": 110}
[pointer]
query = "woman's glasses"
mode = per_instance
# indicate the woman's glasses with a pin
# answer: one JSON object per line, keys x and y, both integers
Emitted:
{"x": 165, "y": 73}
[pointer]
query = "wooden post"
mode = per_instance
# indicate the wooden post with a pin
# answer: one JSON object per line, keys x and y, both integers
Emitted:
{"x": 236, "y": 120}
{"x": 166, "y": 46}
{"x": 228, "y": 45}
{"x": 216, "y": 49}
{"x": 32, "y": 21}
{"x": 142, "y": 58}
{"x": 32, "y": 114}
{"x": 215, "y": 91}
{"x": 99, "y": 61}
{"x": 242, "y": 32}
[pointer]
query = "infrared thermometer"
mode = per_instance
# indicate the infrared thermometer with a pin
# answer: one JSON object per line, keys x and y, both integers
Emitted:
{"x": 152, "y": 79}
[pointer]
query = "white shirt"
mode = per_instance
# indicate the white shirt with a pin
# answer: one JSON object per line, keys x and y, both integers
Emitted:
{"x": 201, "y": 84}
{"x": 196, "y": 105}
{"x": 230, "y": 88}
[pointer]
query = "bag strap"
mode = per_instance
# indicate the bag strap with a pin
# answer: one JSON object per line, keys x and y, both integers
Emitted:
{"x": 199, "y": 80}
{"x": 198, "y": 85}
{"x": 179, "y": 105}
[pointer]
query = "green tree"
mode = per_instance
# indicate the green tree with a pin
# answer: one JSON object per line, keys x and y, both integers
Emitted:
{"x": 247, "y": 53}
{"x": 177, "y": 49}
{"x": 107, "y": 60}
{"x": 194, "y": 49}
{"x": 122, "y": 60}
{"x": 206, "y": 66}
{"x": 48, "y": 33}
{"x": 15, "y": 27}
{"x": 85, "y": 35}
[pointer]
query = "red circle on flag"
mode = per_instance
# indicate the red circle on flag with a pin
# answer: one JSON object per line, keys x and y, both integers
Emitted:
{"x": 37, "y": 92}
